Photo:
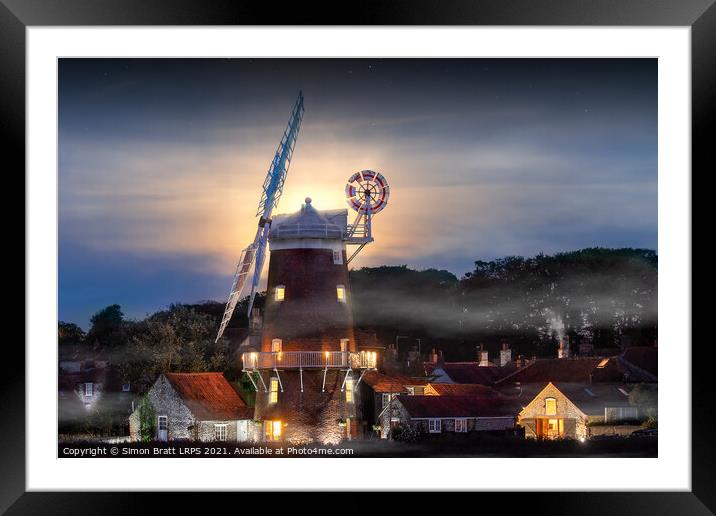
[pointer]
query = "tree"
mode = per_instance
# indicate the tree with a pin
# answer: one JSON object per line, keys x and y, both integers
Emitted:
{"x": 69, "y": 334}
{"x": 108, "y": 327}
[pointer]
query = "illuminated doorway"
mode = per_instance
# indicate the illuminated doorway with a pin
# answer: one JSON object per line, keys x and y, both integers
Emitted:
{"x": 272, "y": 430}
{"x": 550, "y": 428}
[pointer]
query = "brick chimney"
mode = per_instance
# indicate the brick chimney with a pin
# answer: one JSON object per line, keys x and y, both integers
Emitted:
{"x": 483, "y": 356}
{"x": 563, "y": 351}
{"x": 505, "y": 354}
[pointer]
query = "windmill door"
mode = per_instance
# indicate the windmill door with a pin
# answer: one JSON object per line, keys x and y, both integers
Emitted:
{"x": 162, "y": 428}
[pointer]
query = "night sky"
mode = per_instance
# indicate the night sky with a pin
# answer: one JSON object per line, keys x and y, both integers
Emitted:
{"x": 161, "y": 163}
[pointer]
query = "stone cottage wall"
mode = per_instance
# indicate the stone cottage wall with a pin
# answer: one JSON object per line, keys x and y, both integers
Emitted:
{"x": 575, "y": 422}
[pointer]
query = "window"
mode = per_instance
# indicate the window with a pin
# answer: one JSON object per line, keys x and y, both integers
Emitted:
{"x": 344, "y": 345}
{"x": 349, "y": 390}
{"x": 386, "y": 398}
{"x": 603, "y": 363}
{"x": 434, "y": 426}
{"x": 273, "y": 390}
{"x": 337, "y": 257}
{"x": 461, "y": 425}
{"x": 280, "y": 292}
{"x": 550, "y": 406}
{"x": 272, "y": 430}
{"x": 341, "y": 293}
{"x": 411, "y": 391}
{"x": 276, "y": 345}
{"x": 126, "y": 387}
{"x": 162, "y": 423}
{"x": 89, "y": 389}
{"x": 220, "y": 432}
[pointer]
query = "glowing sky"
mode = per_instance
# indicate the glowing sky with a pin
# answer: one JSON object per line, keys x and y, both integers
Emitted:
{"x": 161, "y": 163}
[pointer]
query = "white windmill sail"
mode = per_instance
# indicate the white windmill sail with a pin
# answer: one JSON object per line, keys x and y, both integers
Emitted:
{"x": 255, "y": 253}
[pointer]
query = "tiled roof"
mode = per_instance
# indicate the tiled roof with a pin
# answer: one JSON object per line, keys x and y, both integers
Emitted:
{"x": 458, "y": 406}
{"x": 209, "y": 396}
{"x": 643, "y": 357}
{"x": 382, "y": 383}
{"x": 463, "y": 389}
{"x": 472, "y": 372}
{"x": 566, "y": 370}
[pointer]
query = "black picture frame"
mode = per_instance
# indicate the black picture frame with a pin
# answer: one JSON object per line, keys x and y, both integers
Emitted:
{"x": 17, "y": 15}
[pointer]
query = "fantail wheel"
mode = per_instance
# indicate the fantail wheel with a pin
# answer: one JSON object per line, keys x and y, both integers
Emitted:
{"x": 367, "y": 192}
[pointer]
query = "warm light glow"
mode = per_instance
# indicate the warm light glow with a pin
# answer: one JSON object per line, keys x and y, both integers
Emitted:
{"x": 550, "y": 406}
{"x": 341, "y": 293}
{"x": 276, "y": 434}
{"x": 280, "y": 293}
{"x": 349, "y": 390}
{"x": 273, "y": 390}
{"x": 602, "y": 363}
{"x": 276, "y": 345}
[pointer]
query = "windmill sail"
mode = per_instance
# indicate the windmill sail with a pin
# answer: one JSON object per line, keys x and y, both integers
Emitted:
{"x": 255, "y": 253}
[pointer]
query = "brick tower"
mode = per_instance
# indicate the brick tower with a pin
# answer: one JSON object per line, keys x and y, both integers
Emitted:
{"x": 307, "y": 371}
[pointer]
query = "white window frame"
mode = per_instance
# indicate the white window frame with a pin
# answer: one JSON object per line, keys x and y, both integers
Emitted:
{"x": 159, "y": 422}
{"x": 221, "y": 431}
{"x": 387, "y": 395}
{"x": 273, "y": 392}
{"x": 126, "y": 387}
{"x": 435, "y": 426}
{"x": 282, "y": 289}
{"x": 342, "y": 289}
{"x": 462, "y": 424}
{"x": 337, "y": 257}
{"x": 276, "y": 345}
{"x": 89, "y": 389}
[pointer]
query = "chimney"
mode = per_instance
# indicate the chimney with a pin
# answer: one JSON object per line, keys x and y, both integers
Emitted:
{"x": 505, "y": 354}
{"x": 563, "y": 351}
{"x": 441, "y": 359}
{"x": 483, "y": 356}
{"x": 433, "y": 357}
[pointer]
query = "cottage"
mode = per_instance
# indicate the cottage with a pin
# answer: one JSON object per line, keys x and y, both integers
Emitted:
{"x": 449, "y": 414}
{"x": 460, "y": 389}
{"x": 378, "y": 389}
{"x": 196, "y": 406}
{"x": 578, "y": 410}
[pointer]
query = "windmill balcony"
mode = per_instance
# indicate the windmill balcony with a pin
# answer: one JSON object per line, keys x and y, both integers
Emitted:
{"x": 309, "y": 360}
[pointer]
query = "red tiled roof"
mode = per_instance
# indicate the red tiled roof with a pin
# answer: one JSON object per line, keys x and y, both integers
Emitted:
{"x": 458, "y": 406}
{"x": 209, "y": 396}
{"x": 383, "y": 383}
{"x": 464, "y": 389}
{"x": 566, "y": 370}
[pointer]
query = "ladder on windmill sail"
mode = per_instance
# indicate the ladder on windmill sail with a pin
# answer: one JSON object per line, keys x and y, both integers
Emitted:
{"x": 253, "y": 255}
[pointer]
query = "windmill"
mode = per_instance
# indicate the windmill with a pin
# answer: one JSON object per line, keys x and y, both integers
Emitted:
{"x": 255, "y": 253}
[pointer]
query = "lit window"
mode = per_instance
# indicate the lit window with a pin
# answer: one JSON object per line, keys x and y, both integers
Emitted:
{"x": 272, "y": 430}
{"x": 434, "y": 426}
{"x": 344, "y": 345}
{"x": 341, "y": 293}
{"x": 550, "y": 406}
{"x": 349, "y": 390}
{"x": 461, "y": 425}
{"x": 89, "y": 389}
{"x": 162, "y": 423}
{"x": 280, "y": 292}
{"x": 602, "y": 363}
{"x": 386, "y": 398}
{"x": 411, "y": 391}
{"x": 220, "y": 432}
{"x": 337, "y": 257}
{"x": 273, "y": 390}
{"x": 276, "y": 345}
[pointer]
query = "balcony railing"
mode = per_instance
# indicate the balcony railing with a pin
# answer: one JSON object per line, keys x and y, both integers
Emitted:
{"x": 309, "y": 360}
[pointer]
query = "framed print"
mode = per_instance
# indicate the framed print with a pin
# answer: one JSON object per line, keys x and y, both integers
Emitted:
{"x": 431, "y": 241}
